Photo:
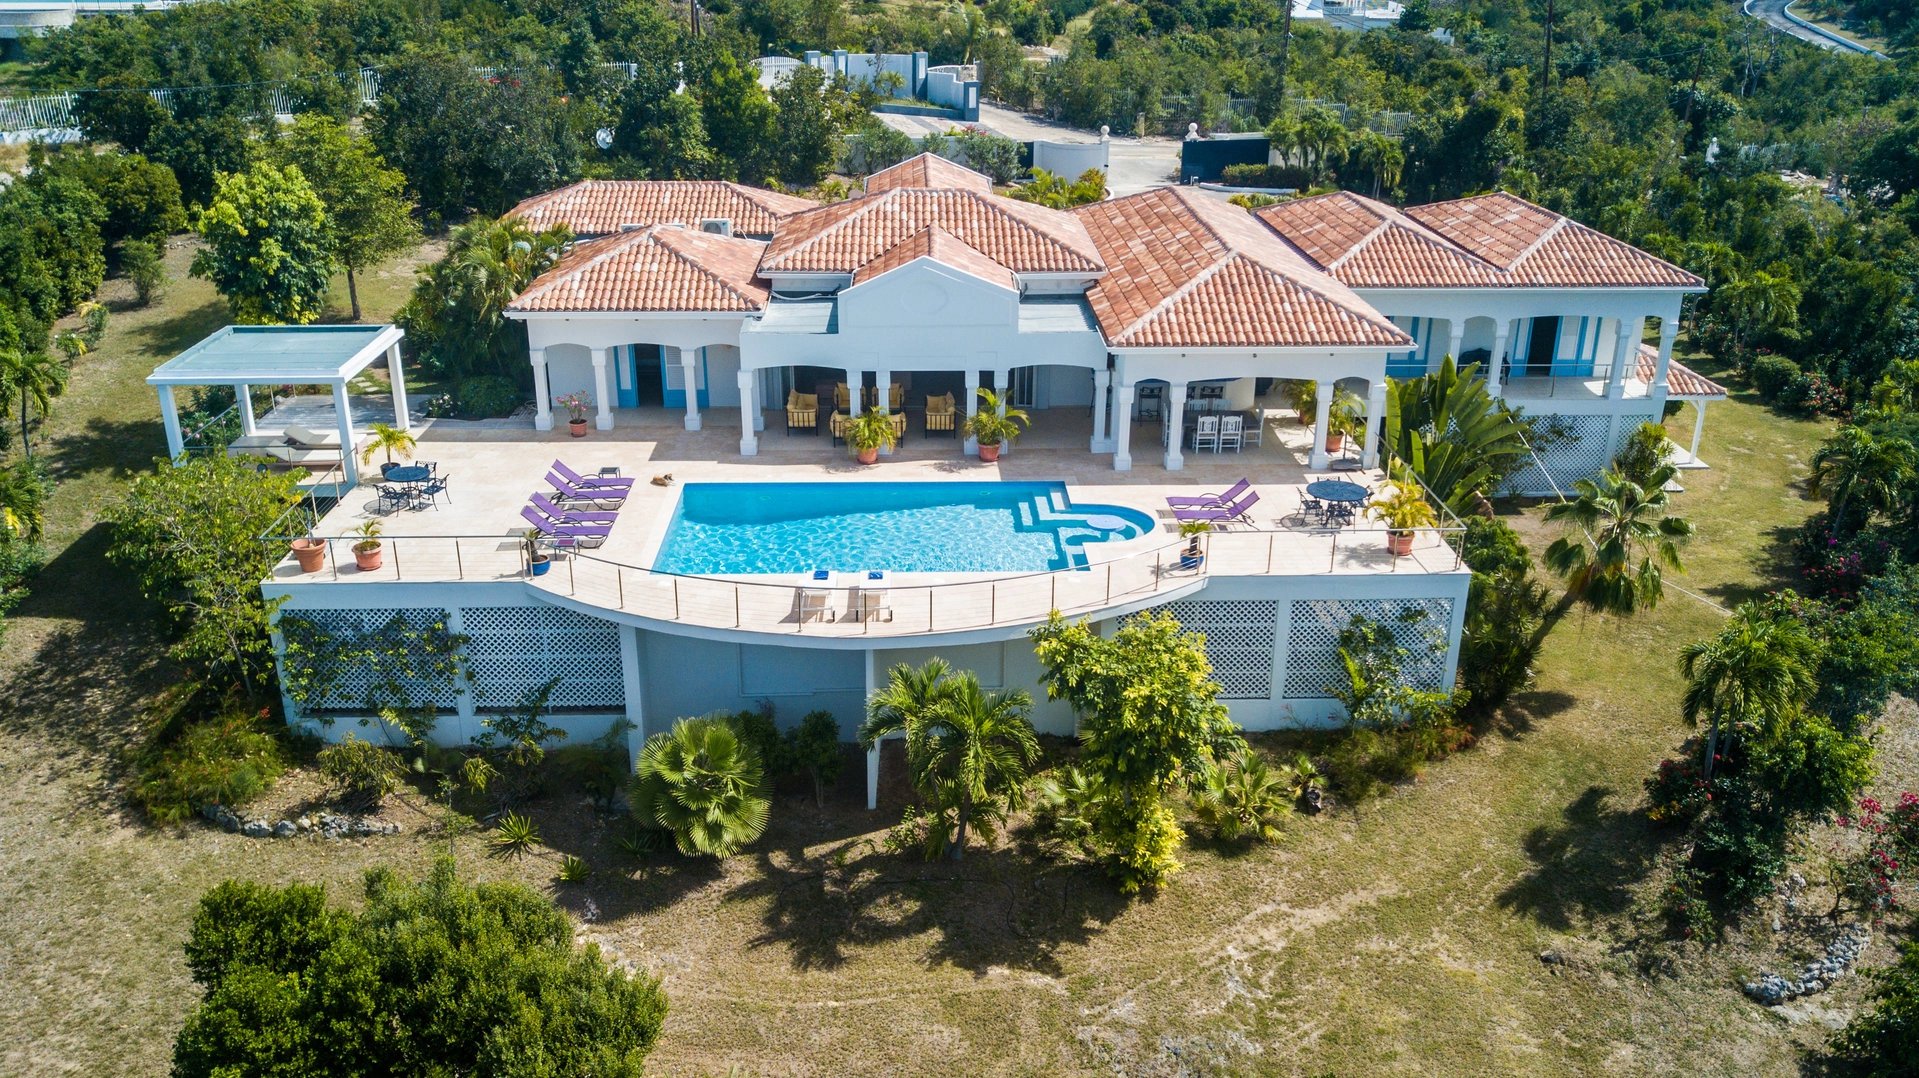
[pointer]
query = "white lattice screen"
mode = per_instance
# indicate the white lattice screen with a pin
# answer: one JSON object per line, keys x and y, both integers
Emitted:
{"x": 1240, "y": 634}
{"x": 356, "y": 682}
{"x": 513, "y": 649}
{"x": 1579, "y": 447}
{"x": 1312, "y": 645}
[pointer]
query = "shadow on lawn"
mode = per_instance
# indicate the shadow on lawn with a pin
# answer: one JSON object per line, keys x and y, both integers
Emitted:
{"x": 167, "y": 337}
{"x": 1775, "y": 566}
{"x": 124, "y": 448}
{"x": 1587, "y": 866}
{"x": 997, "y": 907}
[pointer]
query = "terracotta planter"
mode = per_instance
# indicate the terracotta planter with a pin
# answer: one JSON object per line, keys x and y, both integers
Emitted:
{"x": 1400, "y": 543}
{"x": 310, "y": 553}
{"x": 369, "y": 560}
{"x": 988, "y": 453}
{"x": 577, "y": 426}
{"x": 1335, "y": 442}
{"x": 869, "y": 456}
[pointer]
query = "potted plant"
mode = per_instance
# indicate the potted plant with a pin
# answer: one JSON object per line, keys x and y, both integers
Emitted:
{"x": 538, "y": 561}
{"x": 871, "y": 431}
{"x": 1342, "y": 419}
{"x": 1191, "y": 530}
{"x": 1304, "y": 397}
{"x": 368, "y": 552}
{"x": 990, "y": 428}
{"x": 1401, "y": 511}
{"x": 310, "y": 553}
{"x": 390, "y": 440}
{"x": 576, "y": 405}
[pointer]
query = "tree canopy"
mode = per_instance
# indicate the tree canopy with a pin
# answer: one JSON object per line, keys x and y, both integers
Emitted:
{"x": 268, "y": 246}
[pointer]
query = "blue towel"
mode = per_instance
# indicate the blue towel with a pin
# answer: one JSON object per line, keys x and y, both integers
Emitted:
{"x": 875, "y": 574}
{"x": 821, "y": 574}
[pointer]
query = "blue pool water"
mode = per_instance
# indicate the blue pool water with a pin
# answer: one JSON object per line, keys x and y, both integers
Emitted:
{"x": 739, "y": 528}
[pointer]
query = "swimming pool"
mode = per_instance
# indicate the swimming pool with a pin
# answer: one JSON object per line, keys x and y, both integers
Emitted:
{"x": 741, "y": 528}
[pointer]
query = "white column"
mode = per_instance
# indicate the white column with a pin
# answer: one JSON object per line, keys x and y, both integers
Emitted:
{"x": 1102, "y": 378}
{"x": 465, "y": 707}
{"x": 243, "y": 400}
{"x": 1698, "y": 428}
{"x": 396, "y": 376}
{"x": 1625, "y": 343}
{"x": 1668, "y": 333}
{"x": 749, "y": 410}
{"x": 883, "y": 389}
{"x": 1496, "y": 365}
{"x": 1123, "y": 427}
{"x": 630, "y": 665}
{"x": 1003, "y": 385}
{"x": 1457, "y": 327}
{"x": 971, "y": 405}
{"x": 853, "y": 391}
{"x": 602, "y": 392}
{"x": 349, "y": 460}
{"x": 170, "y": 420}
{"x": 872, "y": 754}
{"x": 1375, "y": 415}
{"x": 690, "y": 374}
{"x": 1175, "y": 425}
{"x": 1321, "y": 410}
{"x": 542, "y": 396}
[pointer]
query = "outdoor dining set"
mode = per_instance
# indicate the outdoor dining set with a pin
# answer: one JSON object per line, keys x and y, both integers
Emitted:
{"x": 412, "y": 486}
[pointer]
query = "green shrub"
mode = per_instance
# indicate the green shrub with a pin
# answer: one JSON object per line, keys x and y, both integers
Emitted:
{"x": 514, "y": 837}
{"x": 1645, "y": 452}
{"x": 1279, "y": 176}
{"x": 574, "y": 870}
{"x": 1245, "y": 797}
{"x": 361, "y": 771}
{"x": 702, "y": 783}
{"x": 488, "y": 396}
{"x": 1772, "y": 375}
{"x": 226, "y": 760}
{"x": 1884, "y": 1042}
{"x": 759, "y": 731}
{"x": 813, "y": 748}
{"x": 140, "y": 259}
{"x": 598, "y": 770}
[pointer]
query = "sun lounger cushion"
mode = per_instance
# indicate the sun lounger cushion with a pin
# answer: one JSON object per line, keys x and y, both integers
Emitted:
{"x": 302, "y": 438}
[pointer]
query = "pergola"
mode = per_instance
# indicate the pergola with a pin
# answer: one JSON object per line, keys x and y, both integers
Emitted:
{"x": 244, "y": 356}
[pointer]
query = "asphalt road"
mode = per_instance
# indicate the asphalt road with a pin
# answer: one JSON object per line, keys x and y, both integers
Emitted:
{"x": 1773, "y": 14}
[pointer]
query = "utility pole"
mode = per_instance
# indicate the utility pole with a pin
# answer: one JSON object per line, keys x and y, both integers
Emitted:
{"x": 1285, "y": 46}
{"x": 1546, "y": 66}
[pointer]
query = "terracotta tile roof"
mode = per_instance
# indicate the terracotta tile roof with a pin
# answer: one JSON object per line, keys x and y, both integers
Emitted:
{"x": 1188, "y": 270}
{"x": 663, "y": 268}
{"x": 600, "y": 207}
{"x": 1536, "y": 247}
{"x": 844, "y": 236}
{"x": 927, "y": 170}
{"x": 940, "y": 246}
{"x": 1368, "y": 244}
{"x": 1682, "y": 382}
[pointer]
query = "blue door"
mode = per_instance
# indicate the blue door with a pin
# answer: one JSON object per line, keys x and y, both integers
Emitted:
{"x": 673, "y": 378}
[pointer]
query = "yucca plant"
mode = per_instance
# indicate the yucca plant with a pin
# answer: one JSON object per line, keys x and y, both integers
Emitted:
{"x": 514, "y": 836}
{"x": 1245, "y": 798}
{"x": 702, "y": 784}
{"x": 574, "y": 870}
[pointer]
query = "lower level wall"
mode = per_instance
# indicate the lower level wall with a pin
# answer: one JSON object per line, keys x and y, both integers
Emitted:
{"x": 1573, "y": 446}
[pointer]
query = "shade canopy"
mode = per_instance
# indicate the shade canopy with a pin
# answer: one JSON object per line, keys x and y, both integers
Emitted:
{"x": 283, "y": 355}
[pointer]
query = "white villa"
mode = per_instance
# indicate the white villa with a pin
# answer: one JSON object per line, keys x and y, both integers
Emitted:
{"x": 718, "y": 330}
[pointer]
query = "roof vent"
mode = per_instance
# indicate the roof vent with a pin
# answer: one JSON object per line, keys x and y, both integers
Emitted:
{"x": 719, "y": 226}
{"x": 631, "y": 227}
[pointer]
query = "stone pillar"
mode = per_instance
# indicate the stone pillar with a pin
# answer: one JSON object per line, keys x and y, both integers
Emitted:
{"x": 1175, "y": 425}
{"x": 1668, "y": 333}
{"x": 1320, "y": 412}
{"x": 602, "y": 392}
{"x": 396, "y": 376}
{"x": 853, "y": 391}
{"x": 971, "y": 407}
{"x": 542, "y": 396}
{"x": 170, "y": 420}
{"x": 749, "y": 411}
{"x": 1123, "y": 427}
{"x": 1496, "y": 365}
{"x": 243, "y": 400}
{"x": 1375, "y": 415}
{"x": 690, "y": 374}
{"x": 1102, "y": 378}
{"x": 1457, "y": 327}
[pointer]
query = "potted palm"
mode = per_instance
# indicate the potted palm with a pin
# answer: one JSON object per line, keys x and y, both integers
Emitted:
{"x": 1304, "y": 397}
{"x": 368, "y": 552}
{"x": 1342, "y": 419}
{"x": 1405, "y": 509}
{"x": 388, "y": 439}
{"x": 576, "y": 405}
{"x": 310, "y": 553}
{"x": 538, "y": 561}
{"x": 993, "y": 425}
{"x": 871, "y": 431}
{"x": 1194, "y": 555}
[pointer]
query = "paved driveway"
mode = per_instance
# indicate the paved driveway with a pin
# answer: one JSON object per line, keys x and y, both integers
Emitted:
{"x": 1137, "y": 164}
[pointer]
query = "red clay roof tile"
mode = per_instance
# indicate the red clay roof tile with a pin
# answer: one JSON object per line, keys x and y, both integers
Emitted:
{"x": 927, "y": 170}
{"x": 663, "y": 268}
{"x": 844, "y": 236}
{"x": 602, "y": 207}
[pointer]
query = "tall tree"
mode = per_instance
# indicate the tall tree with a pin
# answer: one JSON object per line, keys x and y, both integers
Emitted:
{"x": 738, "y": 117}
{"x": 268, "y": 246}
{"x": 1861, "y": 471}
{"x": 1756, "y": 671}
{"x": 809, "y": 128}
{"x": 456, "y": 314}
{"x": 1759, "y": 302}
{"x": 34, "y": 379}
{"x": 370, "y": 217}
{"x": 1618, "y": 537}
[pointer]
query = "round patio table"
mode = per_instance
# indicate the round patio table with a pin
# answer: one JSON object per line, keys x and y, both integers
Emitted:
{"x": 1336, "y": 490}
{"x": 410, "y": 473}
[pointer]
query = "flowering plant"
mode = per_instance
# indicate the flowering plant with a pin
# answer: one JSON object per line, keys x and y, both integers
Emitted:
{"x": 1873, "y": 872}
{"x": 576, "y": 405}
{"x": 1677, "y": 792}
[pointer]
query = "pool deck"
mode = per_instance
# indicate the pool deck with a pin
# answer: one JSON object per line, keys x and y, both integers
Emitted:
{"x": 493, "y": 469}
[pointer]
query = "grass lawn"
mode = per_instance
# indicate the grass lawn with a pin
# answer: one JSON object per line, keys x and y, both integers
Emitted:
{"x": 1400, "y": 938}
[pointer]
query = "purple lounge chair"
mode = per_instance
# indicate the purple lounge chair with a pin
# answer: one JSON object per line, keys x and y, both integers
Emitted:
{"x": 566, "y": 490}
{"x": 609, "y": 482}
{"x": 567, "y": 534}
{"x": 559, "y": 514}
{"x": 1226, "y": 514}
{"x": 1211, "y": 501}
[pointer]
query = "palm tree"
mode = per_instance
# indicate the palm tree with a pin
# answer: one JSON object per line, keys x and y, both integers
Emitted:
{"x": 36, "y": 378}
{"x": 1245, "y": 797}
{"x": 1621, "y": 537}
{"x": 1876, "y": 473}
{"x": 1760, "y": 301}
{"x": 1454, "y": 435}
{"x": 1757, "y": 670}
{"x": 703, "y": 784}
{"x": 967, "y": 749}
